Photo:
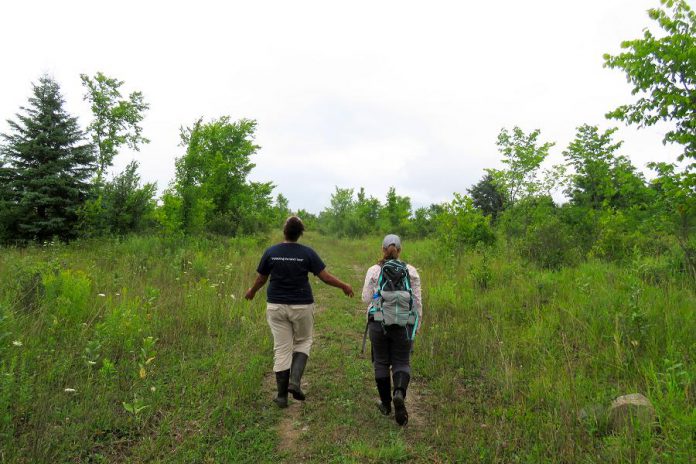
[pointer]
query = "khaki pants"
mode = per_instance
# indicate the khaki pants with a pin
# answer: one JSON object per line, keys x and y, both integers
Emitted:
{"x": 292, "y": 327}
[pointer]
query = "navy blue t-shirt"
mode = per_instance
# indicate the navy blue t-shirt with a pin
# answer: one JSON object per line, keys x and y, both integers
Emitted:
{"x": 288, "y": 265}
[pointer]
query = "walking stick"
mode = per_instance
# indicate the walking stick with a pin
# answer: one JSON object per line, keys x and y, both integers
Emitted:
{"x": 367, "y": 325}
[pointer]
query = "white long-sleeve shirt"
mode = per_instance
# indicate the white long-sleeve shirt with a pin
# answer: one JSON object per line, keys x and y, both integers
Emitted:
{"x": 370, "y": 287}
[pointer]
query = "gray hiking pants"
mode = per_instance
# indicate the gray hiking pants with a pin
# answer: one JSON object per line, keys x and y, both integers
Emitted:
{"x": 390, "y": 348}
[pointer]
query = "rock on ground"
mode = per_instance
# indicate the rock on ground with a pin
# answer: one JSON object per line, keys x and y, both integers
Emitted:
{"x": 631, "y": 412}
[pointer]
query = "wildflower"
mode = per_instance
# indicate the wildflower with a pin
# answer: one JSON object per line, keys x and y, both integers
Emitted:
{"x": 233, "y": 297}
{"x": 102, "y": 294}
{"x": 17, "y": 343}
{"x": 152, "y": 389}
{"x": 70, "y": 390}
{"x": 91, "y": 363}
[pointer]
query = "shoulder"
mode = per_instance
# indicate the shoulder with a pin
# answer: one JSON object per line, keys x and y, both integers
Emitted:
{"x": 308, "y": 250}
{"x": 412, "y": 270}
{"x": 273, "y": 248}
{"x": 373, "y": 270}
{"x": 305, "y": 248}
{"x": 268, "y": 251}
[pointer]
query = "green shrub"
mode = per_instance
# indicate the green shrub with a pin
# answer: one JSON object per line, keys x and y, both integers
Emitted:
{"x": 460, "y": 225}
{"x": 550, "y": 244}
{"x": 535, "y": 227}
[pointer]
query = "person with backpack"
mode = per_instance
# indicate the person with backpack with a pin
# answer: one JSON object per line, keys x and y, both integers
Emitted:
{"x": 393, "y": 289}
{"x": 290, "y": 305}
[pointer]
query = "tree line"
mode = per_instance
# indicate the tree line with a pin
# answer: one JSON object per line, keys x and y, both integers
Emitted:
{"x": 53, "y": 174}
{"x": 53, "y": 181}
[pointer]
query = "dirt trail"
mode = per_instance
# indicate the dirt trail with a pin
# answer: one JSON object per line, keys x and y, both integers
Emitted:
{"x": 290, "y": 427}
{"x": 293, "y": 426}
{"x": 417, "y": 409}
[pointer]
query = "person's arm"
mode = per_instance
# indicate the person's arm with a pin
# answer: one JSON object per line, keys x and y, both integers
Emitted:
{"x": 417, "y": 296}
{"x": 329, "y": 279}
{"x": 370, "y": 285}
{"x": 258, "y": 283}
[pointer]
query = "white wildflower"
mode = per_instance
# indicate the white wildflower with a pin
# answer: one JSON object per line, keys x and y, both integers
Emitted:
{"x": 233, "y": 297}
{"x": 102, "y": 294}
{"x": 17, "y": 343}
{"x": 70, "y": 390}
{"x": 152, "y": 389}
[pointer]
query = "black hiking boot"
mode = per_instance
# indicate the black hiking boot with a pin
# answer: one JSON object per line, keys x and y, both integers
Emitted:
{"x": 299, "y": 361}
{"x": 384, "y": 389}
{"x": 282, "y": 379}
{"x": 401, "y": 380}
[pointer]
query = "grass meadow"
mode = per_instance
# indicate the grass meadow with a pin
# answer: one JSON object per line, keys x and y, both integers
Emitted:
{"x": 144, "y": 350}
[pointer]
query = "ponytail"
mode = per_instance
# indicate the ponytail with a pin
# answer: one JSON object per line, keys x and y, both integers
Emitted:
{"x": 391, "y": 252}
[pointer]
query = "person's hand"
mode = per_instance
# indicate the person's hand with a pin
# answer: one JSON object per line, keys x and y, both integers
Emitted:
{"x": 348, "y": 291}
{"x": 249, "y": 295}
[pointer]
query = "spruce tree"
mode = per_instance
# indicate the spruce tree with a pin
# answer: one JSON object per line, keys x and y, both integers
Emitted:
{"x": 47, "y": 168}
{"x": 5, "y": 206}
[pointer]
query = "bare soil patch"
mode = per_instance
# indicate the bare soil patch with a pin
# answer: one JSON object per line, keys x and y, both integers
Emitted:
{"x": 289, "y": 427}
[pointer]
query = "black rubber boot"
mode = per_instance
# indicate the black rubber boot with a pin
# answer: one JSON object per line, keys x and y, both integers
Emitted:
{"x": 299, "y": 361}
{"x": 401, "y": 380}
{"x": 282, "y": 379}
{"x": 384, "y": 389}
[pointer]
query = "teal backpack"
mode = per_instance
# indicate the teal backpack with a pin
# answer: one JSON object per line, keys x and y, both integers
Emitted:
{"x": 392, "y": 304}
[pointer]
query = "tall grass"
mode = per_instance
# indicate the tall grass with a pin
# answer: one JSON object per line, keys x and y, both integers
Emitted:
{"x": 131, "y": 350}
{"x": 143, "y": 349}
{"x": 521, "y": 358}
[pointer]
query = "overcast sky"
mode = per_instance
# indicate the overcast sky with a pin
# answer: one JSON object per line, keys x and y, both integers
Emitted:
{"x": 348, "y": 94}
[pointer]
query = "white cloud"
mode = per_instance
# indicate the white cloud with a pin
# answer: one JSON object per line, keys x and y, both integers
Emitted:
{"x": 341, "y": 90}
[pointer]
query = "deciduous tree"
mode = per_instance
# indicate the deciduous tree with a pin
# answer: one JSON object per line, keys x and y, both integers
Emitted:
{"x": 116, "y": 120}
{"x": 662, "y": 71}
{"x": 676, "y": 208}
{"x": 211, "y": 187}
{"x": 123, "y": 206}
{"x": 602, "y": 178}
{"x": 396, "y": 213}
{"x": 523, "y": 155}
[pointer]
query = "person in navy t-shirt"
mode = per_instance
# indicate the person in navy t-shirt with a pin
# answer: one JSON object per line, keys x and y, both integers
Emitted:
{"x": 290, "y": 305}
